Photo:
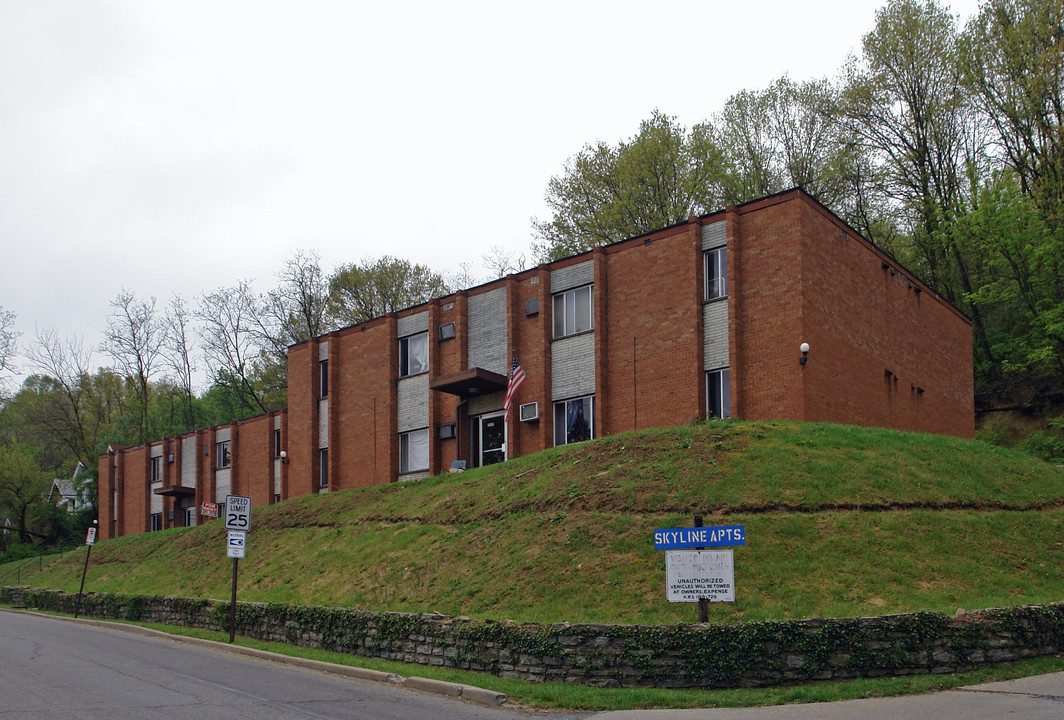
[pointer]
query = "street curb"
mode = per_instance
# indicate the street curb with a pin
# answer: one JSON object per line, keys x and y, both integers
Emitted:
{"x": 469, "y": 693}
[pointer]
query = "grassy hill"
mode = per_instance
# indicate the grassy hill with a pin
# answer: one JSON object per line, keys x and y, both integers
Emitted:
{"x": 840, "y": 521}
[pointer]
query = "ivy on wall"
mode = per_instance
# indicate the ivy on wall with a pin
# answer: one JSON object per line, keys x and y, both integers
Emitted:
{"x": 758, "y": 653}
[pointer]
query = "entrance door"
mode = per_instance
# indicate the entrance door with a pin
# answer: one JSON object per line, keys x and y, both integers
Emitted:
{"x": 491, "y": 433}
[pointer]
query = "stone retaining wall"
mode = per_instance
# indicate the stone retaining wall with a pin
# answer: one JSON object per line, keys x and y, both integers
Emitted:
{"x": 742, "y": 654}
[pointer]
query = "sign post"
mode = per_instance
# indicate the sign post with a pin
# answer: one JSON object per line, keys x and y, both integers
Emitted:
{"x": 237, "y": 522}
{"x": 90, "y": 540}
{"x": 694, "y": 574}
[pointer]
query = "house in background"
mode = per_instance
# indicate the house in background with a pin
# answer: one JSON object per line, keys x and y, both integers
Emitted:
{"x": 64, "y": 494}
{"x": 771, "y": 309}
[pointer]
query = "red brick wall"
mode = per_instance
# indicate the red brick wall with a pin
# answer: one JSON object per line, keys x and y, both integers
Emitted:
{"x": 864, "y": 315}
{"x": 302, "y": 445}
{"x": 764, "y": 312}
{"x": 105, "y": 491}
{"x": 253, "y": 460}
{"x": 365, "y": 412}
{"x": 137, "y": 491}
{"x": 653, "y": 317}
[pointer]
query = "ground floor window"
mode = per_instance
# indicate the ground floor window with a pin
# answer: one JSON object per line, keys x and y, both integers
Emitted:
{"x": 574, "y": 420}
{"x": 323, "y": 471}
{"x": 414, "y": 451}
{"x": 190, "y": 517}
{"x": 156, "y": 521}
{"x": 718, "y": 393}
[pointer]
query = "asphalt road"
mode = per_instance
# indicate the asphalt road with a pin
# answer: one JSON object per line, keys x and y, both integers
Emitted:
{"x": 53, "y": 670}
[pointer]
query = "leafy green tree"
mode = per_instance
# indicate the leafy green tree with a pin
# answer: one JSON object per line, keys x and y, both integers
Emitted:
{"x": 23, "y": 484}
{"x": 1023, "y": 291}
{"x": 792, "y": 135}
{"x": 661, "y": 176}
{"x": 905, "y": 104}
{"x": 361, "y": 292}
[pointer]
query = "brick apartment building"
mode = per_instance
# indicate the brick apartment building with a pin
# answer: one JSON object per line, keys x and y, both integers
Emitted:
{"x": 707, "y": 317}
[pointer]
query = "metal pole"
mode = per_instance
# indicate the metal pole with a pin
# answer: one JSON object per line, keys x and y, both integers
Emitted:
{"x": 232, "y": 607}
{"x": 84, "y": 571}
{"x": 703, "y": 604}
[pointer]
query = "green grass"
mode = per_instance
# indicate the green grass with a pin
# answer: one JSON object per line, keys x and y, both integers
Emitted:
{"x": 841, "y": 521}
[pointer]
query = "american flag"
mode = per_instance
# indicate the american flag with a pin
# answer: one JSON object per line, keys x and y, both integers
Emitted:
{"x": 517, "y": 376}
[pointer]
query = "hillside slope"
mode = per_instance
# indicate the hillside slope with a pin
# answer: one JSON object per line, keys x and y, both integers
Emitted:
{"x": 841, "y": 521}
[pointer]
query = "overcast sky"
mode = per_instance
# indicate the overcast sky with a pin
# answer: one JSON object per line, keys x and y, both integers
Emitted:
{"x": 176, "y": 147}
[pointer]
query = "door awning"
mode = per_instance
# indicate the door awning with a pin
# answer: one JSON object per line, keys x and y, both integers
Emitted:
{"x": 474, "y": 381}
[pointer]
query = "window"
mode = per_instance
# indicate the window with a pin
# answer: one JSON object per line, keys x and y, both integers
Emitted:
{"x": 222, "y": 453}
{"x": 716, "y": 271}
{"x": 414, "y": 354}
{"x": 156, "y": 469}
{"x": 718, "y": 394}
{"x": 190, "y": 517}
{"x": 323, "y": 378}
{"x": 574, "y": 420}
{"x": 277, "y": 442}
{"x": 573, "y": 312}
{"x": 414, "y": 451}
{"x": 323, "y": 470}
{"x": 156, "y": 521}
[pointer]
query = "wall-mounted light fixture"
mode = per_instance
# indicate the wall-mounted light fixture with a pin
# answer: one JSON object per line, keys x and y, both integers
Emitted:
{"x": 284, "y": 457}
{"x": 804, "y": 347}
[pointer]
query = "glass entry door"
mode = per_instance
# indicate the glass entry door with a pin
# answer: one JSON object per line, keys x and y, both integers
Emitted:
{"x": 491, "y": 439}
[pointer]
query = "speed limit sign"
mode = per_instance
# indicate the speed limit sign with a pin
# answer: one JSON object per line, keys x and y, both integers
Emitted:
{"x": 237, "y": 512}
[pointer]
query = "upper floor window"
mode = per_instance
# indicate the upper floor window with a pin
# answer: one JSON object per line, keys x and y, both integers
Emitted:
{"x": 716, "y": 272}
{"x": 156, "y": 469}
{"x": 573, "y": 311}
{"x": 323, "y": 381}
{"x": 222, "y": 454}
{"x": 276, "y": 442}
{"x": 414, "y": 354}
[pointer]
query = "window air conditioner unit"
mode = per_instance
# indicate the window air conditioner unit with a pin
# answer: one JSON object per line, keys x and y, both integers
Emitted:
{"x": 446, "y": 432}
{"x": 529, "y": 412}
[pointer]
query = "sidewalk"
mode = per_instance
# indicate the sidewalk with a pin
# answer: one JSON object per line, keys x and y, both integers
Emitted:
{"x": 1034, "y": 698}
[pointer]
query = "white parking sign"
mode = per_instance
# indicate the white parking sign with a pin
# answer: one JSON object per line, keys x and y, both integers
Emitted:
{"x": 237, "y": 512}
{"x": 236, "y": 543}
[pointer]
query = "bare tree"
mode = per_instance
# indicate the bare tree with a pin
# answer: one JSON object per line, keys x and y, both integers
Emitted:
{"x": 65, "y": 391}
{"x": 8, "y": 342}
{"x": 295, "y": 310}
{"x": 178, "y": 351}
{"x": 231, "y": 340}
{"x": 135, "y": 339}
{"x": 500, "y": 262}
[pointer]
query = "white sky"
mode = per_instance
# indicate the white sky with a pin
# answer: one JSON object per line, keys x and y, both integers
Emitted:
{"x": 180, "y": 146}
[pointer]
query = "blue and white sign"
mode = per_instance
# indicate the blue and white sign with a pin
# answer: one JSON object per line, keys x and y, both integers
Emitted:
{"x": 236, "y": 543}
{"x": 699, "y": 537}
